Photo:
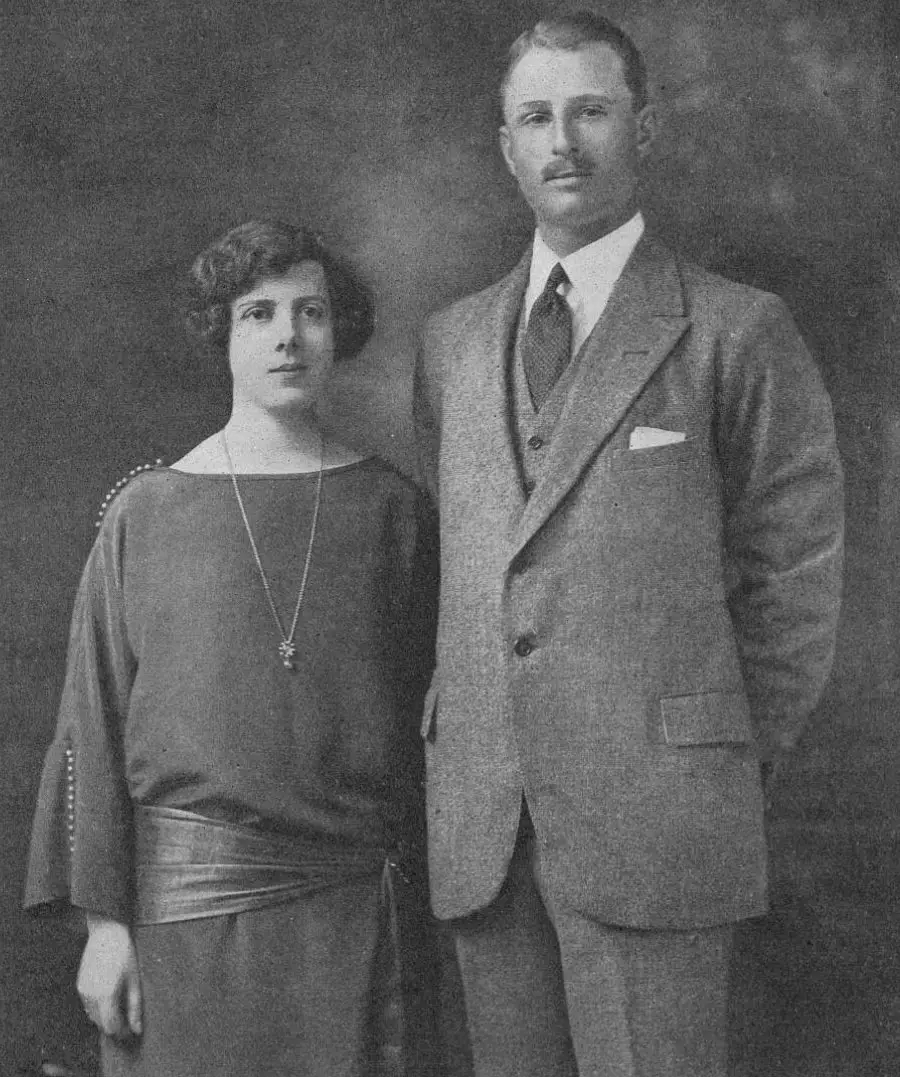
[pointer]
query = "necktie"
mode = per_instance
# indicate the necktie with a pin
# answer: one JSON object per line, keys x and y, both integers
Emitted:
{"x": 547, "y": 345}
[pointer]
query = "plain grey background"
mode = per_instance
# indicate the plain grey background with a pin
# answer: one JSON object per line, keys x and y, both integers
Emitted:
{"x": 133, "y": 133}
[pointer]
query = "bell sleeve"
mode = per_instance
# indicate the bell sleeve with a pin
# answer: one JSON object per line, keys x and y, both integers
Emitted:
{"x": 81, "y": 846}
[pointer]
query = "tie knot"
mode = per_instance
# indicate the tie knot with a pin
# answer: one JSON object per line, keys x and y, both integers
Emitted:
{"x": 556, "y": 278}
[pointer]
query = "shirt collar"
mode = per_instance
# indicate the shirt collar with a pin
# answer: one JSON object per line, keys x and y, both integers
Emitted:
{"x": 592, "y": 270}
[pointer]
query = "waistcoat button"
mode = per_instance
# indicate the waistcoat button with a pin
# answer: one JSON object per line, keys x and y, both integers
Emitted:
{"x": 523, "y": 646}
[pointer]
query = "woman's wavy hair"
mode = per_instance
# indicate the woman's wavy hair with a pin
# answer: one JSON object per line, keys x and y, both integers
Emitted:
{"x": 244, "y": 255}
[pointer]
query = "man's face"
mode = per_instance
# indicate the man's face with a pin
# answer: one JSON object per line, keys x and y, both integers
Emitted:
{"x": 573, "y": 141}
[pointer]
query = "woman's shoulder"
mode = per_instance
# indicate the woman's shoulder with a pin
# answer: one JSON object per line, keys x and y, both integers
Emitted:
{"x": 147, "y": 488}
{"x": 388, "y": 487}
{"x": 134, "y": 482}
{"x": 391, "y": 475}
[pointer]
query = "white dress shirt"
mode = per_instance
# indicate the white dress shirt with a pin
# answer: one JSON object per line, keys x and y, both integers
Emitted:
{"x": 592, "y": 271}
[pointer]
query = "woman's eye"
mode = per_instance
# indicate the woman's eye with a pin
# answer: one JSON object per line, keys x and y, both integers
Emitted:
{"x": 313, "y": 312}
{"x": 255, "y": 314}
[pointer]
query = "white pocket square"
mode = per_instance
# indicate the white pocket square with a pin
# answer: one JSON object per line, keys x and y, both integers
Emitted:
{"x": 651, "y": 437}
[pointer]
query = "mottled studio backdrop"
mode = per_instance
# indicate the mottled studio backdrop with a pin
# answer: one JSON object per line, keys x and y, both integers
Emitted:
{"x": 132, "y": 133}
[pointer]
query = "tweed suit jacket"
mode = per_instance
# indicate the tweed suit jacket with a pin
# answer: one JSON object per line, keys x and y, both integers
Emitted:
{"x": 626, "y": 645}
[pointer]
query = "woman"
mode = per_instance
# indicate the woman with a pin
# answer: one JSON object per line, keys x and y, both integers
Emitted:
{"x": 236, "y": 762}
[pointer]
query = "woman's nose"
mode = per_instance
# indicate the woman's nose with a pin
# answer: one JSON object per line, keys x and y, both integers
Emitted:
{"x": 287, "y": 336}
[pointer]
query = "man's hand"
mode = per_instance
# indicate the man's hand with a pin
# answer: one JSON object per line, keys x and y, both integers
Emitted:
{"x": 109, "y": 984}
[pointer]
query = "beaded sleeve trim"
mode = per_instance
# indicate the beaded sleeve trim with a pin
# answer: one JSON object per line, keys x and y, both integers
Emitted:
{"x": 114, "y": 491}
{"x": 70, "y": 797}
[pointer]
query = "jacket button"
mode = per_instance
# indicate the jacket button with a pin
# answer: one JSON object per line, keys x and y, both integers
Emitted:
{"x": 535, "y": 442}
{"x": 523, "y": 646}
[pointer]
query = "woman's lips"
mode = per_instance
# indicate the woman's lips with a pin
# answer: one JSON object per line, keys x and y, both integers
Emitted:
{"x": 289, "y": 368}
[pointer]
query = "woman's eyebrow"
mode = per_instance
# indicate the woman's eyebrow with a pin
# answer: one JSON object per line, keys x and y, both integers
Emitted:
{"x": 313, "y": 297}
{"x": 244, "y": 304}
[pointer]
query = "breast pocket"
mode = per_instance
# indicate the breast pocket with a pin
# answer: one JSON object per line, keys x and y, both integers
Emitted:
{"x": 679, "y": 454}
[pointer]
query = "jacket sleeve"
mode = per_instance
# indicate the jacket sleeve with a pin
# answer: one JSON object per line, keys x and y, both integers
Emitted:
{"x": 783, "y": 497}
{"x": 81, "y": 849}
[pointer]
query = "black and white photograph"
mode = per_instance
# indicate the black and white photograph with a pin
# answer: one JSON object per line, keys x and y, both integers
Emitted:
{"x": 450, "y": 561}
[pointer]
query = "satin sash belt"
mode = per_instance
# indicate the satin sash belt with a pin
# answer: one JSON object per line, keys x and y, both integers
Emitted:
{"x": 188, "y": 866}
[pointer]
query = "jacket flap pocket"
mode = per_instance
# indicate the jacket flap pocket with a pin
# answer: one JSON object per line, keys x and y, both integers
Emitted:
{"x": 675, "y": 454}
{"x": 429, "y": 711}
{"x": 706, "y": 718}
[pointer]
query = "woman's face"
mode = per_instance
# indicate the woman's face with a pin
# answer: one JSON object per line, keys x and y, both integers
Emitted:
{"x": 281, "y": 347}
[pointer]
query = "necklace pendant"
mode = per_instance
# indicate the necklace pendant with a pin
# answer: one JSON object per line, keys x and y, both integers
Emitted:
{"x": 287, "y": 648}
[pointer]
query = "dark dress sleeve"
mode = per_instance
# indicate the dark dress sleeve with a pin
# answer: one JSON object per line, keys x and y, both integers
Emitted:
{"x": 81, "y": 839}
{"x": 426, "y": 407}
{"x": 423, "y": 609}
{"x": 411, "y": 625}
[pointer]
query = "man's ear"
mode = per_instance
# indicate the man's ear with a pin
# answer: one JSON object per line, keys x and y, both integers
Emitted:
{"x": 647, "y": 128}
{"x": 506, "y": 149}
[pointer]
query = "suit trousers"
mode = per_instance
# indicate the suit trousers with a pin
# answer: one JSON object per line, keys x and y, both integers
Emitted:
{"x": 550, "y": 992}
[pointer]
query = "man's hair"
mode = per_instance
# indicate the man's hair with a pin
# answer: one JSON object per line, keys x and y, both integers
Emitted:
{"x": 237, "y": 261}
{"x": 573, "y": 29}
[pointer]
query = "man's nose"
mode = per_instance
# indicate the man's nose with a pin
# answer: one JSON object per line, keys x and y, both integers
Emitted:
{"x": 565, "y": 139}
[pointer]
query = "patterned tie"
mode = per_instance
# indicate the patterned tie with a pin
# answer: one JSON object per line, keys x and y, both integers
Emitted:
{"x": 547, "y": 345}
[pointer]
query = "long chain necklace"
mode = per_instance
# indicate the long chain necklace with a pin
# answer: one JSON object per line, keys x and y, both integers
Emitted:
{"x": 287, "y": 648}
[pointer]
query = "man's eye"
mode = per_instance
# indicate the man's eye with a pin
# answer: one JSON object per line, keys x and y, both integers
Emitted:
{"x": 592, "y": 112}
{"x": 535, "y": 119}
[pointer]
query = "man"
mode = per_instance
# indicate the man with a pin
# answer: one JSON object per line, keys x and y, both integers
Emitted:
{"x": 641, "y": 541}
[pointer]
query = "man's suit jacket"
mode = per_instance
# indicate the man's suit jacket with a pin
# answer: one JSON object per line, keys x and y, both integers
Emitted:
{"x": 626, "y": 645}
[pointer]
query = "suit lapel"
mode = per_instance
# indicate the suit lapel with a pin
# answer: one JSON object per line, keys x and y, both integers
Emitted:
{"x": 643, "y": 321}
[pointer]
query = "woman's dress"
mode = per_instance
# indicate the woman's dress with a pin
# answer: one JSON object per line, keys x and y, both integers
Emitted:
{"x": 176, "y": 697}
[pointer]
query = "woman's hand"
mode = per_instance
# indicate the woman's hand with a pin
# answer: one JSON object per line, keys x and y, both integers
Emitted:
{"x": 109, "y": 984}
